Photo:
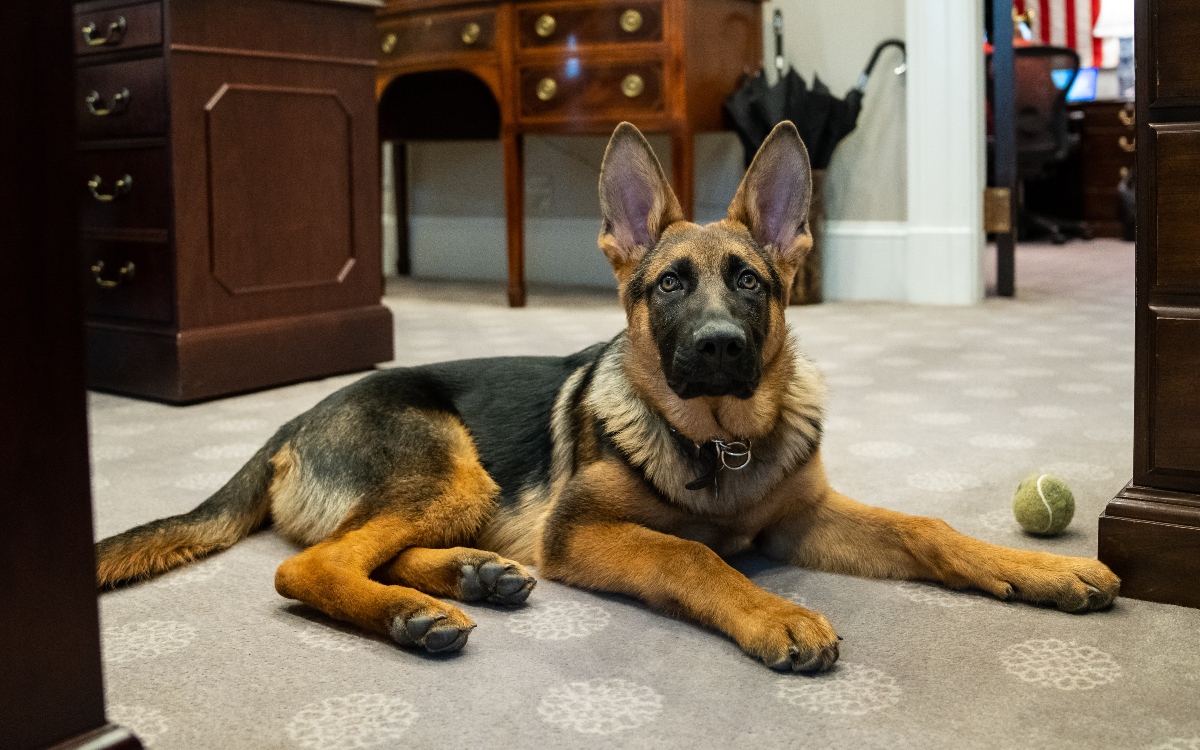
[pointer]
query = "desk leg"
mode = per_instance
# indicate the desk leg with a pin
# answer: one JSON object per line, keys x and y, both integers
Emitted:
{"x": 400, "y": 190}
{"x": 683, "y": 170}
{"x": 514, "y": 214}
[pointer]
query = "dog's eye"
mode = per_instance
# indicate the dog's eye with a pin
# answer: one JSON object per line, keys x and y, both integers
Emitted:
{"x": 748, "y": 281}
{"x": 669, "y": 283}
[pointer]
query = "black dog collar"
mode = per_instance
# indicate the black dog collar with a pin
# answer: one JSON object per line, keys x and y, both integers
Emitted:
{"x": 714, "y": 455}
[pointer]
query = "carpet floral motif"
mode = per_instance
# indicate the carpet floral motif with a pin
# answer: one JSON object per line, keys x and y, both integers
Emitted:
{"x": 601, "y": 706}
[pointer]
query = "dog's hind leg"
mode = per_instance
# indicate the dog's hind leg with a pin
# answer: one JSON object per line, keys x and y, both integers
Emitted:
{"x": 334, "y": 577}
{"x": 462, "y": 573}
{"x": 437, "y": 495}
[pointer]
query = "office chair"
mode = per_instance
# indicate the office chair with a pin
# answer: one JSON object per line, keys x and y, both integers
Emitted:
{"x": 1044, "y": 139}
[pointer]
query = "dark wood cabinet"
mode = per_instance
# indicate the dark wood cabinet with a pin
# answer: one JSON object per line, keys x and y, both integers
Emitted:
{"x": 229, "y": 184}
{"x": 51, "y": 678}
{"x": 563, "y": 66}
{"x": 1107, "y": 145}
{"x": 1150, "y": 533}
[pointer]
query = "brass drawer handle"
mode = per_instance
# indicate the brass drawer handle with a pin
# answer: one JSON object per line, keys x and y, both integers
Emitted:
{"x": 470, "y": 33}
{"x": 1127, "y": 145}
{"x": 122, "y": 188}
{"x": 116, "y": 32}
{"x": 633, "y": 85}
{"x": 631, "y": 21}
{"x": 124, "y": 274}
{"x": 545, "y": 25}
{"x": 120, "y": 103}
{"x": 388, "y": 44}
{"x": 1128, "y": 119}
{"x": 547, "y": 88}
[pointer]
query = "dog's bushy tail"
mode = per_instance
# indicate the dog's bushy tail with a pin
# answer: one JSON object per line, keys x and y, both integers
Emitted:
{"x": 230, "y": 515}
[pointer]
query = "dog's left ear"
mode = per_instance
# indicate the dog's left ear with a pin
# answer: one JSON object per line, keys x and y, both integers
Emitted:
{"x": 636, "y": 201}
{"x": 772, "y": 201}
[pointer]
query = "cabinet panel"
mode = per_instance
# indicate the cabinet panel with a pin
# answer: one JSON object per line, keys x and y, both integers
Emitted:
{"x": 1177, "y": 28}
{"x": 1175, "y": 431}
{"x": 279, "y": 218}
{"x": 1176, "y": 198}
{"x": 274, "y": 172}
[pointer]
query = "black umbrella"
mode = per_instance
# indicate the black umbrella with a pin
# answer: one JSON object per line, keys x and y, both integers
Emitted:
{"x": 822, "y": 119}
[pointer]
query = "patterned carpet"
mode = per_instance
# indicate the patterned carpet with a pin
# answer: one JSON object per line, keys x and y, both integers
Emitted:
{"x": 936, "y": 411}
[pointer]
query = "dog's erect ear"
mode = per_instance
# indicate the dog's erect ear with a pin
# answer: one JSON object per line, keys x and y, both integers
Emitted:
{"x": 636, "y": 202}
{"x": 772, "y": 201}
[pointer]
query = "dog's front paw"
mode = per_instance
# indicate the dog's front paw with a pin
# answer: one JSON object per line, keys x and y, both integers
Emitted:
{"x": 790, "y": 638}
{"x": 1073, "y": 584}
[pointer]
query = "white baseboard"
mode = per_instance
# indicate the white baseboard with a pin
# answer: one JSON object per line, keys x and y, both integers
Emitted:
{"x": 865, "y": 260}
{"x": 893, "y": 261}
{"x": 944, "y": 266}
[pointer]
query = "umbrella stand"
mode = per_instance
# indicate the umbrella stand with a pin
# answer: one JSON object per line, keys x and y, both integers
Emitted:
{"x": 808, "y": 287}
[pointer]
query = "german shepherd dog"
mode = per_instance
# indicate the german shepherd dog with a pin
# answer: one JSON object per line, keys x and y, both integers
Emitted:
{"x": 634, "y": 466}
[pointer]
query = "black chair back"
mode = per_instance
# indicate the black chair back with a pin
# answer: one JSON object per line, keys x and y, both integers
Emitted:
{"x": 1043, "y": 137}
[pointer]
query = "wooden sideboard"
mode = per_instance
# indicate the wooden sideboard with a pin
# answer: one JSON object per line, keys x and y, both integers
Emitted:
{"x": 1106, "y": 148}
{"x": 1084, "y": 187}
{"x": 1150, "y": 532}
{"x": 229, "y": 182}
{"x": 488, "y": 69}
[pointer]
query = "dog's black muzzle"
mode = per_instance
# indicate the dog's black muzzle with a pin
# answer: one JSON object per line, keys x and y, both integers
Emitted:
{"x": 716, "y": 359}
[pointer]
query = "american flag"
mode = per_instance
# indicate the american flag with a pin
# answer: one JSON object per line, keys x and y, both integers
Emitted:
{"x": 1069, "y": 23}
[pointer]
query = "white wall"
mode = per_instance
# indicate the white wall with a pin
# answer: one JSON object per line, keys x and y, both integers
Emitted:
{"x": 834, "y": 39}
{"x": 456, "y": 189}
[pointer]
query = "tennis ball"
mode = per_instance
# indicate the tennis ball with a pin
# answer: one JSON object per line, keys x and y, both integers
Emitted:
{"x": 1043, "y": 504}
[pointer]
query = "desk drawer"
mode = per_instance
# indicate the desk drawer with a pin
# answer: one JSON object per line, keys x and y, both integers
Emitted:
{"x": 119, "y": 28}
{"x": 577, "y": 25}
{"x": 121, "y": 99}
{"x": 436, "y": 34}
{"x": 132, "y": 190}
{"x": 127, "y": 279}
{"x": 593, "y": 91}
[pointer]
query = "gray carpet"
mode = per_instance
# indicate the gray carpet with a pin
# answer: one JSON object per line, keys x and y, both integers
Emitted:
{"x": 935, "y": 410}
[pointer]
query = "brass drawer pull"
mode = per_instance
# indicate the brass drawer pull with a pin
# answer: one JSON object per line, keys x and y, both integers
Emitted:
{"x": 1127, "y": 118}
{"x": 631, "y": 21}
{"x": 470, "y": 33}
{"x": 388, "y": 44}
{"x": 122, "y": 188}
{"x": 633, "y": 85}
{"x": 545, "y": 25}
{"x": 116, "y": 32}
{"x": 120, "y": 103}
{"x": 1127, "y": 145}
{"x": 124, "y": 274}
{"x": 547, "y": 88}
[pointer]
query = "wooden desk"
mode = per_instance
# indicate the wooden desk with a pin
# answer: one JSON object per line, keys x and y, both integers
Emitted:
{"x": 229, "y": 187}
{"x": 486, "y": 69}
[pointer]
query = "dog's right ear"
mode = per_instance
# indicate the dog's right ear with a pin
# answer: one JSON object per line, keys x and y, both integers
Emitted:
{"x": 636, "y": 201}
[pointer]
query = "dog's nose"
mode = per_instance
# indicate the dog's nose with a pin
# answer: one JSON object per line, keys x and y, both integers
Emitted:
{"x": 719, "y": 341}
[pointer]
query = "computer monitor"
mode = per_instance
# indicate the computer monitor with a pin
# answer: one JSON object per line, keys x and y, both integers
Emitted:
{"x": 1083, "y": 88}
